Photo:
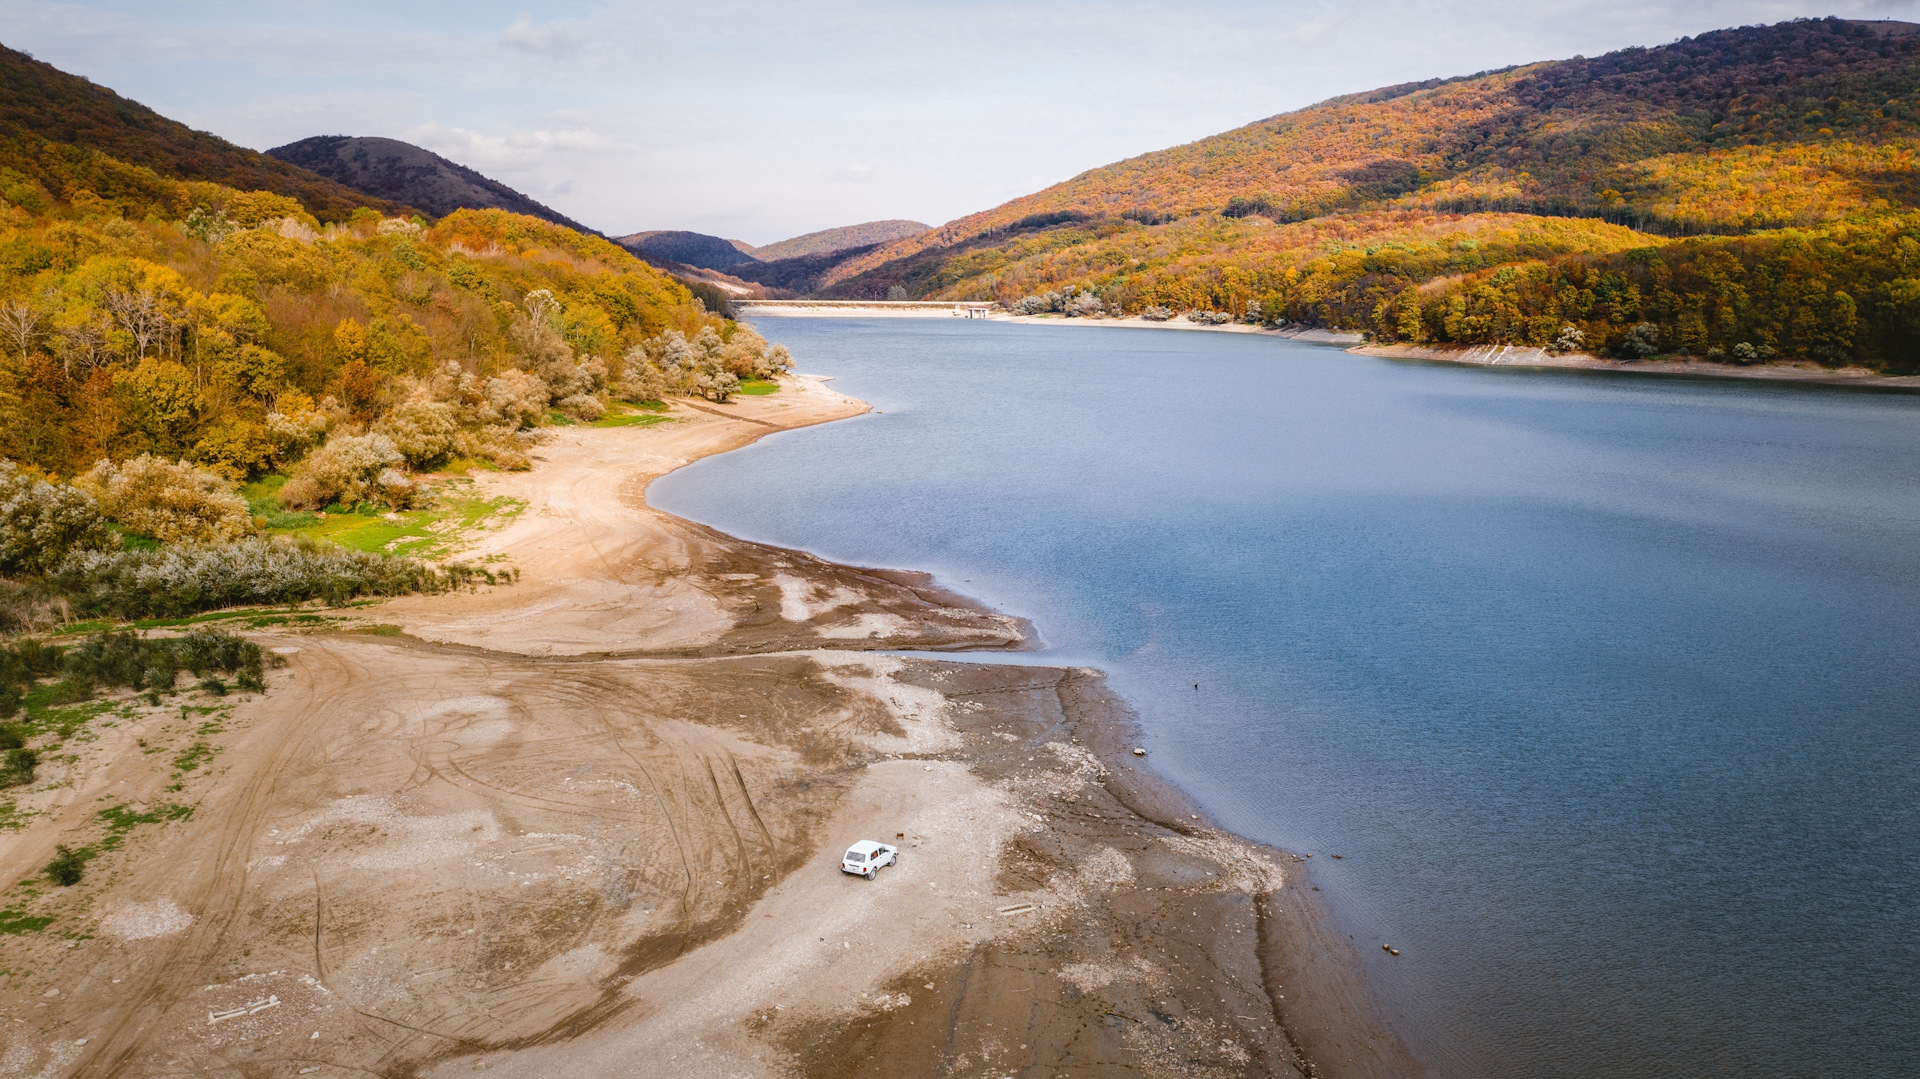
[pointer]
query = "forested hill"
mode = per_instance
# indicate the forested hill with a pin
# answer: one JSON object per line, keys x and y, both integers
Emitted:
{"x": 66, "y": 134}
{"x": 827, "y": 241}
{"x": 1736, "y": 133}
{"x": 407, "y": 174}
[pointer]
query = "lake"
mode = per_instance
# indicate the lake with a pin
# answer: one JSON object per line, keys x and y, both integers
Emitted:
{"x": 1604, "y": 687}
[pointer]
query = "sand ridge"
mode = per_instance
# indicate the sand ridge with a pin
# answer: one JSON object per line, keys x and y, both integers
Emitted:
{"x": 589, "y": 824}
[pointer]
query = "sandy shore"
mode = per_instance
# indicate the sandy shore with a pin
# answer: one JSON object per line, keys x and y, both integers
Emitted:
{"x": 1522, "y": 356}
{"x": 588, "y": 825}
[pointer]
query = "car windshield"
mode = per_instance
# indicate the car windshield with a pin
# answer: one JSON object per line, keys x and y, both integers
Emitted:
{"x": 855, "y": 856}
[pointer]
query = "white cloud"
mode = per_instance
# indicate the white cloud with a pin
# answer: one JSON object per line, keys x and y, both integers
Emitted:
{"x": 554, "y": 41}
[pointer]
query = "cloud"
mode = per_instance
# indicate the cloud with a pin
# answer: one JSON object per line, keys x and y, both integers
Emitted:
{"x": 512, "y": 150}
{"x": 553, "y": 40}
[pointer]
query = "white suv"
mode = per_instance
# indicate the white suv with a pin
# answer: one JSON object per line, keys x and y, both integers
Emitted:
{"x": 866, "y": 857}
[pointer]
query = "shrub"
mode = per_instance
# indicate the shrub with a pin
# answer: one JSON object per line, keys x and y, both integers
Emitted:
{"x": 1571, "y": 339}
{"x": 182, "y": 580}
{"x": 518, "y": 398}
{"x": 29, "y": 607}
{"x": 1642, "y": 341}
{"x": 17, "y": 770}
{"x": 1036, "y": 304}
{"x": 1156, "y": 313}
{"x": 174, "y": 502}
{"x": 641, "y": 381}
{"x": 69, "y": 865}
{"x": 1084, "y": 305}
{"x": 349, "y": 469}
{"x": 496, "y": 444}
{"x": 1209, "y": 318}
{"x": 583, "y": 408}
{"x": 41, "y": 522}
{"x": 422, "y": 429}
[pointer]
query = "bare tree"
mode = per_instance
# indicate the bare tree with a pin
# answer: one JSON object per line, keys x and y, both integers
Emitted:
{"x": 83, "y": 344}
{"x": 20, "y": 321}
{"x": 139, "y": 314}
{"x": 540, "y": 308}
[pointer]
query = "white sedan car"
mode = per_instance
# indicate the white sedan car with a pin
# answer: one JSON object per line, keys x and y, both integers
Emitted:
{"x": 866, "y": 857}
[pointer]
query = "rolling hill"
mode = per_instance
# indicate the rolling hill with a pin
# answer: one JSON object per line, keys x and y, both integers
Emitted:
{"x": 1511, "y": 205}
{"x": 826, "y": 241}
{"x": 689, "y": 248}
{"x": 404, "y": 173}
{"x": 66, "y": 135}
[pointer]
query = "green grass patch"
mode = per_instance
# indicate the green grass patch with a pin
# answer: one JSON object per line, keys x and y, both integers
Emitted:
{"x": 633, "y": 414}
{"x": 195, "y": 755}
{"x": 757, "y": 387}
{"x": 120, "y": 820}
{"x": 629, "y": 419}
{"x": 49, "y": 710}
{"x": 458, "y": 508}
{"x": 19, "y": 921}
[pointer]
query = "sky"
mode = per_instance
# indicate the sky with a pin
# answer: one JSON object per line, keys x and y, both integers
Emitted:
{"x": 760, "y": 121}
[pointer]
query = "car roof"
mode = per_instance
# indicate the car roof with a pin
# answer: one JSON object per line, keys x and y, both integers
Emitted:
{"x": 865, "y": 846}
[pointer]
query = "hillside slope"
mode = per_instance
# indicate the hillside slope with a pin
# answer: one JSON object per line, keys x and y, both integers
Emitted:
{"x": 1373, "y": 211}
{"x": 691, "y": 248}
{"x": 68, "y": 134}
{"x": 866, "y": 234}
{"x": 1733, "y": 130}
{"x": 404, "y": 173}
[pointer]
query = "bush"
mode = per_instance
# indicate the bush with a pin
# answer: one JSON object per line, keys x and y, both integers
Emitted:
{"x": 69, "y": 865}
{"x": 1642, "y": 341}
{"x": 421, "y": 429}
{"x": 581, "y": 407}
{"x": 41, "y": 522}
{"x": 1571, "y": 339}
{"x": 349, "y": 469}
{"x": 200, "y": 577}
{"x": 496, "y": 444}
{"x": 1156, "y": 313}
{"x": 174, "y": 502}
{"x": 518, "y": 398}
{"x": 1209, "y": 318}
{"x": 126, "y": 659}
{"x": 1084, "y": 305}
{"x": 641, "y": 381}
{"x": 17, "y": 770}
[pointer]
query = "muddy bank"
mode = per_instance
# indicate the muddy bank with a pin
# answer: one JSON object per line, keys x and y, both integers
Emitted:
{"x": 1524, "y": 356}
{"x": 589, "y": 824}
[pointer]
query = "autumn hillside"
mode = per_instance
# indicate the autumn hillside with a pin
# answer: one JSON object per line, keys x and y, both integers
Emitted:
{"x": 66, "y": 134}
{"x": 1721, "y": 145}
{"x": 166, "y": 338}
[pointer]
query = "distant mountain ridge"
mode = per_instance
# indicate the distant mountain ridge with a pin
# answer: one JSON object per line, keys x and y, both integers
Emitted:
{"x": 1729, "y": 131}
{"x": 827, "y": 240}
{"x": 70, "y": 134}
{"x": 404, "y": 173}
{"x": 1742, "y": 196}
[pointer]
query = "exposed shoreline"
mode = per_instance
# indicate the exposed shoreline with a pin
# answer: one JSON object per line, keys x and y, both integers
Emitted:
{"x": 931, "y": 309}
{"x": 1528, "y": 357}
{"x": 418, "y": 845}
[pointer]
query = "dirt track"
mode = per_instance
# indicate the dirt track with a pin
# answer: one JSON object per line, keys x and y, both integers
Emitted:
{"x": 587, "y": 825}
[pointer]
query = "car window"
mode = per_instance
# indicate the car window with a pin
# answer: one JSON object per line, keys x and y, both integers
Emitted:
{"x": 855, "y": 856}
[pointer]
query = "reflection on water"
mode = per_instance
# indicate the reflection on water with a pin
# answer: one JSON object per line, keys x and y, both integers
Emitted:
{"x": 1603, "y": 687}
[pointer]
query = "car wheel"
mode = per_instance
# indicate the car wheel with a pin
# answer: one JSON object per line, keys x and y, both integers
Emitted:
{"x": 870, "y": 874}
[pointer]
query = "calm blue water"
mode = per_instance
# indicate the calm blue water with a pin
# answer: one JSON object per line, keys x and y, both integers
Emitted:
{"x": 1604, "y": 687}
